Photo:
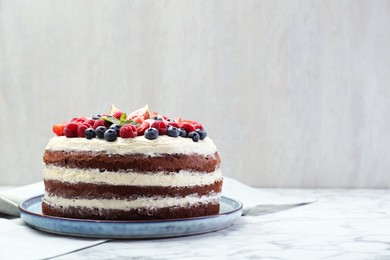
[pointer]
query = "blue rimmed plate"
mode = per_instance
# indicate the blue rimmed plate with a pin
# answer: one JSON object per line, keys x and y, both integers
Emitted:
{"x": 31, "y": 213}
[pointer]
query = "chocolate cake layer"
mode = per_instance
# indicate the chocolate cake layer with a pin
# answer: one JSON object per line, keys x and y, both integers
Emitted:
{"x": 133, "y": 214}
{"x": 104, "y": 191}
{"x": 136, "y": 162}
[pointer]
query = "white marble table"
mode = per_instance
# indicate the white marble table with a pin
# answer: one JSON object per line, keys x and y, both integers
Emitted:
{"x": 342, "y": 224}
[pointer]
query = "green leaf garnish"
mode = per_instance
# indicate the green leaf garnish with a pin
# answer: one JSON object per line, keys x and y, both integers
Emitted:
{"x": 123, "y": 117}
{"x": 122, "y": 121}
{"x": 111, "y": 119}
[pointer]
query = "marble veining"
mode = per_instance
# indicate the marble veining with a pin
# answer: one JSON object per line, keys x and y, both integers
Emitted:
{"x": 342, "y": 224}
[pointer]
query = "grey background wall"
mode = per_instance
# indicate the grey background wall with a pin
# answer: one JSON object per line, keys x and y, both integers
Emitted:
{"x": 294, "y": 93}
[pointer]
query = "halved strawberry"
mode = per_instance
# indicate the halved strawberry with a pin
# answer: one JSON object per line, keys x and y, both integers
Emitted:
{"x": 58, "y": 129}
{"x": 160, "y": 126}
{"x": 142, "y": 128}
{"x": 187, "y": 127}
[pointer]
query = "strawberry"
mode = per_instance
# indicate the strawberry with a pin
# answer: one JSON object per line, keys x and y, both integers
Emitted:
{"x": 70, "y": 129}
{"x": 58, "y": 129}
{"x": 160, "y": 126}
{"x": 142, "y": 128}
{"x": 187, "y": 127}
{"x": 128, "y": 131}
{"x": 81, "y": 128}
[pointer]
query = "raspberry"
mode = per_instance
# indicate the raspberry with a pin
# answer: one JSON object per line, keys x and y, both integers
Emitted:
{"x": 160, "y": 126}
{"x": 81, "y": 129}
{"x": 98, "y": 123}
{"x": 142, "y": 128}
{"x": 70, "y": 130}
{"x": 117, "y": 114}
{"x": 128, "y": 131}
{"x": 188, "y": 127}
{"x": 59, "y": 129}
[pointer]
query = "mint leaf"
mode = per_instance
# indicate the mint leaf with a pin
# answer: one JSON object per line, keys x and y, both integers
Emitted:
{"x": 123, "y": 118}
{"x": 131, "y": 122}
{"x": 111, "y": 120}
{"x": 122, "y": 121}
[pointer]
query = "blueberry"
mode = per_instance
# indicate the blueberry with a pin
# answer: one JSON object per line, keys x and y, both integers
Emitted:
{"x": 116, "y": 127}
{"x": 202, "y": 133}
{"x": 110, "y": 135}
{"x": 158, "y": 118}
{"x": 194, "y": 136}
{"x": 89, "y": 133}
{"x": 173, "y": 131}
{"x": 151, "y": 133}
{"x": 170, "y": 120}
{"x": 95, "y": 117}
{"x": 100, "y": 131}
{"x": 182, "y": 133}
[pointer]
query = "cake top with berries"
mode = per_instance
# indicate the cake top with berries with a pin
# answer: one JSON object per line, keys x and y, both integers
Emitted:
{"x": 116, "y": 126}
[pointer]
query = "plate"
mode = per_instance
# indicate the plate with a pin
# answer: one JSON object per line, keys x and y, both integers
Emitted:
{"x": 31, "y": 213}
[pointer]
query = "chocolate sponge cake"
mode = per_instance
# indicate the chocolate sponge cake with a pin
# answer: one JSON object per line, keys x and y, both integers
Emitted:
{"x": 147, "y": 167}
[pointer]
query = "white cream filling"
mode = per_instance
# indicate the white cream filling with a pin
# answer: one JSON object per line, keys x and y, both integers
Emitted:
{"x": 139, "y": 145}
{"x": 161, "y": 179}
{"x": 143, "y": 202}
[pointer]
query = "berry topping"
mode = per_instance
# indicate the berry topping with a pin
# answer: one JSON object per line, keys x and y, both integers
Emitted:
{"x": 128, "y": 131}
{"x": 89, "y": 133}
{"x": 141, "y": 122}
{"x": 81, "y": 128}
{"x": 59, "y": 129}
{"x": 151, "y": 133}
{"x": 182, "y": 133}
{"x": 194, "y": 136}
{"x": 116, "y": 127}
{"x": 173, "y": 131}
{"x": 142, "y": 128}
{"x": 160, "y": 126}
{"x": 202, "y": 133}
{"x": 100, "y": 131}
{"x": 188, "y": 127}
{"x": 110, "y": 135}
{"x": 70, "y": 130}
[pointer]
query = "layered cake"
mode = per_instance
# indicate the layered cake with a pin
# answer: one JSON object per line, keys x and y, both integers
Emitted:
{"x": 139, "y": 166}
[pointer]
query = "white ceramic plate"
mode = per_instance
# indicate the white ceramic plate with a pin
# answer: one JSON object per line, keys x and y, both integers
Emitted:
{"x": 31, "y": 213}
